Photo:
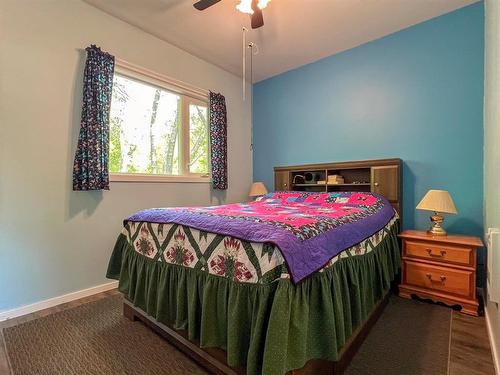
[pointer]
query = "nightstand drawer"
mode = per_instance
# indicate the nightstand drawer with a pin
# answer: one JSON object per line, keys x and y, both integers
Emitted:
{"x": 447, "y": 280}
{"x": 439, "y": 253}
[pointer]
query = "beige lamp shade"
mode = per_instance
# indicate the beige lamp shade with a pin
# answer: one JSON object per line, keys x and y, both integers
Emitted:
{"x": 437, "y": 201}
{"x": 257, "y": 189}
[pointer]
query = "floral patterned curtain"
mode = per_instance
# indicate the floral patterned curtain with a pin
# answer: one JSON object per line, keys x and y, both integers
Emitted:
{"x": 90, "y": 168}
{"x": 218, "y": 141}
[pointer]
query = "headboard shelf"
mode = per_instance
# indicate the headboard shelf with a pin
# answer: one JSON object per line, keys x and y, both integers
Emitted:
{"x": 383, "y": 176}
{"x": 350, "y": 184}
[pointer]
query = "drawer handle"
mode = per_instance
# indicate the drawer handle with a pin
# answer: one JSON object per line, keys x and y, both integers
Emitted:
{"x": 441, "y": 280}
{"x": 441, "y": 254}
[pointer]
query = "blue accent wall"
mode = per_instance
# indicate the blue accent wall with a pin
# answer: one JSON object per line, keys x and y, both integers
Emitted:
{"x": 416, "y": 94}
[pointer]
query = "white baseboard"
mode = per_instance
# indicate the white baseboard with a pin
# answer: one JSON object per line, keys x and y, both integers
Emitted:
{"x": 51, "y": 302}
{"x": 493, "y": 344}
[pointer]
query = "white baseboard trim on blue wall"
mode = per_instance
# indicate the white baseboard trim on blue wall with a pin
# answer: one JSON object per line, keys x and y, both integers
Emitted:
{"x": 51, "y": 302}
{"x": 493, "y": 344}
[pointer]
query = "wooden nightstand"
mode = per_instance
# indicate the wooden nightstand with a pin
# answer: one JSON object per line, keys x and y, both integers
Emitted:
{"x": 441, "y": 268}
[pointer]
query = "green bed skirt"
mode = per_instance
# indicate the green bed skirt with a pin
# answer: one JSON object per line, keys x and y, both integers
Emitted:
{"x": 269, "y": 328}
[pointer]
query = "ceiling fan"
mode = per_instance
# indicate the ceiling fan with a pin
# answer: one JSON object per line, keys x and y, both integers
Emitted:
{"x": 251, "y": 7}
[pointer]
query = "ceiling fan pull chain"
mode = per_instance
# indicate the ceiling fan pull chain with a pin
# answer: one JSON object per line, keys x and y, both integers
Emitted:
{"x": 250, "y": 45}
{"x": 254, "y": 49}
{"x": 244, "y": 55}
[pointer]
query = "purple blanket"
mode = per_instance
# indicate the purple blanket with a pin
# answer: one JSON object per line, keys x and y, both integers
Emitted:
{"x": 309, "y": 228}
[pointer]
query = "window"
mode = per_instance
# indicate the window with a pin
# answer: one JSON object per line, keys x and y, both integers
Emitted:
{"x": 157, "y": 133}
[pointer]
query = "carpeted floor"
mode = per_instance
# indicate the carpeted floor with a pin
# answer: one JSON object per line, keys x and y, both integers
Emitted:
{"x": 409, "y": 338}
{"x": 92, "y": 339}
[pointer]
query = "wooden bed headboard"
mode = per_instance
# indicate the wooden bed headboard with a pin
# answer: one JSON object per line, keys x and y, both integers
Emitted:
{"x": 383, "y": 176}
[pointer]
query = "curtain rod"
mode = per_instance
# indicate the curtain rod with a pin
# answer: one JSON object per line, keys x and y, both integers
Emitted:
{"x": 161, "y": 77}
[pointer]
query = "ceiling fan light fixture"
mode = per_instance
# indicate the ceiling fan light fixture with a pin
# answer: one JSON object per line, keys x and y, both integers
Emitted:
{"x": 263, "y": 3}
{"x": 245, "y": 6}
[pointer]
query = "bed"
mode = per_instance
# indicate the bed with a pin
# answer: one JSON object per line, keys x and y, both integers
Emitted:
{"x": 270, "y": 286}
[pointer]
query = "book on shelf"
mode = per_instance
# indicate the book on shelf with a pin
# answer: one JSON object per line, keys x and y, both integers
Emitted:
{"x": 335, "y": 179}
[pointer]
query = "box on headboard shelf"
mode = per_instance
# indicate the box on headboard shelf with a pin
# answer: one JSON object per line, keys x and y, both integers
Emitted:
{"x": 383, "y": 176}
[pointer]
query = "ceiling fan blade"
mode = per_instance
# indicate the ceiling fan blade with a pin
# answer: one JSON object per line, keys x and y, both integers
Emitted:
{"x": 257, "y": 19}
{"x": 204, "y": 4}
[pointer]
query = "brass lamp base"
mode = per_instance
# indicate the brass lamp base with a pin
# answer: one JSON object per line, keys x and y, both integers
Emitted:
{"x": 436, "y": 229}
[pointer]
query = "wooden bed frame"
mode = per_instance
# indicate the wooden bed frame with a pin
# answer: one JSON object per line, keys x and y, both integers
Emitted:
{"x": 381, "y": 176}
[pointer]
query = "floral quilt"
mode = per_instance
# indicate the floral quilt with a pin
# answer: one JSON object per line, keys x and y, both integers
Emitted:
{"x": 225, "y": 256}
{"x": 308, "y": 228}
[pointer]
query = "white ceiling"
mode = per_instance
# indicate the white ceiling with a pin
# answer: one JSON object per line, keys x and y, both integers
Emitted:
{"x": 296, "y": 32}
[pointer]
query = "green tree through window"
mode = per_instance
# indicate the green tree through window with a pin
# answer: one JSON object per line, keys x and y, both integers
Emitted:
{"x": 147, "y": 126}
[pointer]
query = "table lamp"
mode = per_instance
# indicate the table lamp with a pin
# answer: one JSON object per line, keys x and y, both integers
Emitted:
{"x": 438, "y": 201}
{"x": 258, "y": 189}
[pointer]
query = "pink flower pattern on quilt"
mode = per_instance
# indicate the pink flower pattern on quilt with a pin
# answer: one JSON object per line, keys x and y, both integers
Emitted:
{"x": 304, "y": 214}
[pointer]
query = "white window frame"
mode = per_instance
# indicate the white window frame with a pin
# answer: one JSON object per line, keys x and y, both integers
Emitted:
{"x": 189, "y": 95}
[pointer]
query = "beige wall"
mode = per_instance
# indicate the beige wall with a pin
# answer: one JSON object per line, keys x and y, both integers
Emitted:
{"x": 53, "y": 240}
{"x": 492, "y": 148}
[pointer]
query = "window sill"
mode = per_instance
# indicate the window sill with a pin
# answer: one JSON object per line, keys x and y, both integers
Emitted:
{"x": 124, "y": 177}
